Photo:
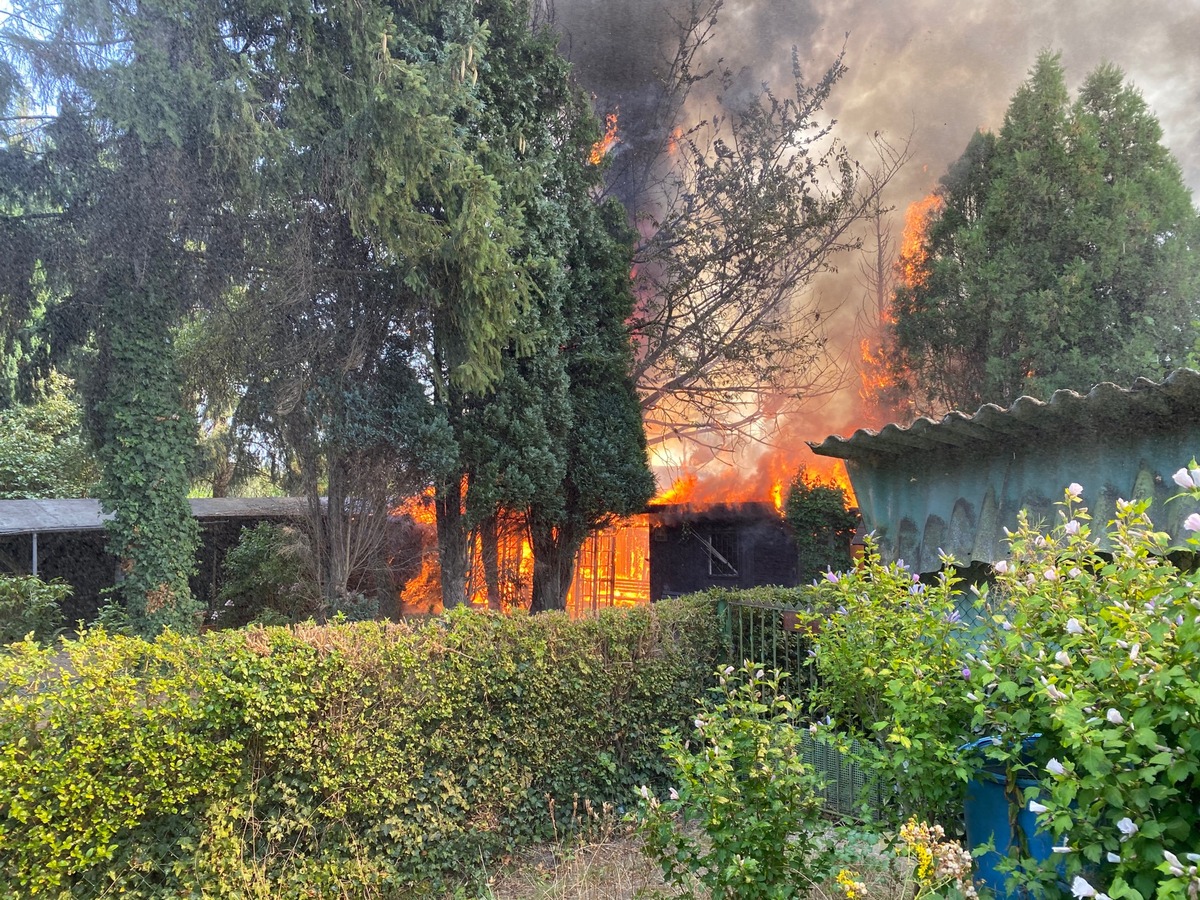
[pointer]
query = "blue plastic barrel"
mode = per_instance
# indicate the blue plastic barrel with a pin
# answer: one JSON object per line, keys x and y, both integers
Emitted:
{"x": 986, "y": 817}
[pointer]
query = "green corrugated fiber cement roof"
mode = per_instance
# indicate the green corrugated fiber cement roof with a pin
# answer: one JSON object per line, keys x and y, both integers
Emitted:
{"x": 958, "y": 482}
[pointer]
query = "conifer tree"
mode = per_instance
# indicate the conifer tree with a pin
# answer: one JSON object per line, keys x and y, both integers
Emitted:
{"x": 1065, "y": 253}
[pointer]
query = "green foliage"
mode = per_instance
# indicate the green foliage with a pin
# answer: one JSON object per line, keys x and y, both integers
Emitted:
{"x": 1064, "y": 253}
{"x": 821, "y": 524}
{"x": 42, "y": 451}
{"x": 890, "y": 660}
{"x": 742, "y": 817}
{"x": 328, "y": 761}
{"x": 267, "y": 576}
{"x": 1096, "y": 653}
{"x": 30, "y": 606}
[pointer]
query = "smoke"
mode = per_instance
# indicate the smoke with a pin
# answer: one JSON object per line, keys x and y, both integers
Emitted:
{"x": 935, "y": 69}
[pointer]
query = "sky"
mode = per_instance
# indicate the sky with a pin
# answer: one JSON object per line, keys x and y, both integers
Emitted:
{"x": 939, "y": 69}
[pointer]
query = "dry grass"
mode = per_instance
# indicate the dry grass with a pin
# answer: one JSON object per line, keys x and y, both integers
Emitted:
{"x": 610, "y": 865}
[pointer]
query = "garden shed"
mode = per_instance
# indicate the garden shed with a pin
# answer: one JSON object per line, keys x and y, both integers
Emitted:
{"x": 957, "y": 483}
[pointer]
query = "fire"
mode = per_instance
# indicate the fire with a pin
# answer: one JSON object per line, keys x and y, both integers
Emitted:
{"x": 913, "y": 256}
{"x": 767, "y": 482}
{"x": 879, "y": 383}
{"x": 601, "y": 147}
{"x": 419, "y": 507}
{"x": 673, "y": 141}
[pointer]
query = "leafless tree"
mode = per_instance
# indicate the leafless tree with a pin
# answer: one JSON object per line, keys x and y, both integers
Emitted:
{"x": 739, "y": 213}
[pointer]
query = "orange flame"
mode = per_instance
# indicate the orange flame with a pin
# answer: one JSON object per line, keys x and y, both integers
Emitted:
{"x": 601, "y": 147}
{"x": 673, "y": 141}
{"x": 913, "y": 255}
{"x": 879, "y": 382}
{"x": 768, "y": 482}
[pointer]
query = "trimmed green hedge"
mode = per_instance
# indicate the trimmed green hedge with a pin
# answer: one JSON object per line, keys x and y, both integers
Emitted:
{"x": 337, "y": 760}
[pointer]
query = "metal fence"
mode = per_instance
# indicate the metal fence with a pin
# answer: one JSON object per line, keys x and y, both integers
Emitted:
{"x": 780, "y": 636}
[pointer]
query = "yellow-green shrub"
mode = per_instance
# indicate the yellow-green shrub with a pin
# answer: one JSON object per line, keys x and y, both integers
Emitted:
{"x": 316, "y": 760}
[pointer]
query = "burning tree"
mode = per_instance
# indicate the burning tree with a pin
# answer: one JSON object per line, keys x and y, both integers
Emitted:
{"x": 739, "y": 213}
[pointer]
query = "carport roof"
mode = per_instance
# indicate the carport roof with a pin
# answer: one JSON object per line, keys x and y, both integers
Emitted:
{"x": 42, "y": 516}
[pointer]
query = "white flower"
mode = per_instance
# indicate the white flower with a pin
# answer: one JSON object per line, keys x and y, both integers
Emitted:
{"x": 1113, "y": 857}
{"x": 1072, "y": 527}
{"x": 1192, "y": 522}
{"x": 1114, "y": 716}
{"x": 644, "y": 792}
{"x": 699, "y": 723}
{"x": 1134, "y": 651}
{"x": 1062, "y": 658}
{"x": 1075, "y": 489}
{"x": 1062, "y": 848}
{"x": 1035, "y": 807}
{"x": 759, "y": 673}
{"x": 674, "y": 794}
{"x": 1127, "y": 827}
{"x": 1001, "y": 566}
{"x": 1054, "y": 694}
{"x": 1183, "y": 479}
{"x": 1074, "y": 573}
{"x": 728, "y": 670}
{"x": 1195, "y": 473}
{"x": 1080, "y": 888}
{"x": 1051, "y": 574}
{"x": 1073, "y": 626}
{"x": 1054, "y": 767}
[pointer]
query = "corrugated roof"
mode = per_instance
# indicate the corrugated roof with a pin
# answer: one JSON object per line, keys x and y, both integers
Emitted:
{"x": 1146, "y": 404}
{"x": 42, "y": 516}
{"x": 958, "y": 483}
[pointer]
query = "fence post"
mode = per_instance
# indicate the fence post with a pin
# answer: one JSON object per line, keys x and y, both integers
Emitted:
{"x": 725, "y": 618}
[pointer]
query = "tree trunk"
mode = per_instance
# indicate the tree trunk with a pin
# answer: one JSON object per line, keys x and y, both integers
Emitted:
{"x": 489, "y": 548}
{"x": 554, "y": 552}
{"x": 452, "y": 544}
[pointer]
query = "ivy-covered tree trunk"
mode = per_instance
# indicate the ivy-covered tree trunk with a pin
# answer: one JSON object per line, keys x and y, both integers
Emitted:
{"x": 145, "y": 439}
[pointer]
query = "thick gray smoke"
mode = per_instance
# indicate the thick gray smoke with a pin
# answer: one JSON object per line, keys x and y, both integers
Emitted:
{"x": 940, "y": 67}
{"x": 937, "y": 69}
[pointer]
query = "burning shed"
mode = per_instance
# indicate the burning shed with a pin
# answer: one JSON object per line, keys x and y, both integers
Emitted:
{"x": 734, "y": 545}
{"x": 958, "y": 482}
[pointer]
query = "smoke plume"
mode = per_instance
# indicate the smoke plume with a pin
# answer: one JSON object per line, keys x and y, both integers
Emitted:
{"x": 935, "y": 69}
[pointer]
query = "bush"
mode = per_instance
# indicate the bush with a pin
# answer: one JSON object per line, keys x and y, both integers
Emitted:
{"x": 267, "y": 577}
{"x": 891, "y": 666}
{"x": 318, "y": 761}
{"x": 740, "y": 779}
{"x": 30, "y": 606}
{"x": 1085, "y": 668}
{"x": 821, "y": 524}
{"x": 1099, "y": 654}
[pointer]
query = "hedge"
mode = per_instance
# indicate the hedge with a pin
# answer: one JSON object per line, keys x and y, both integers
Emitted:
{"x": 346, "y": 760}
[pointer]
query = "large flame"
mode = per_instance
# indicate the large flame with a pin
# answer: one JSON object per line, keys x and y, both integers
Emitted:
{"x": 882, "y": 401}
{"x": 911, "y": 267}
{"x": 601, "y": 147}
{"x": 767, "y": 482}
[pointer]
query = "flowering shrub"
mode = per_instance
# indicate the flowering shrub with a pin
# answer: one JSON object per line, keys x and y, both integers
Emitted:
{"x": 891, "y": 682}
{"x": 941, "y": 867}
{"x": 1097, "y": 653}
{"x": 741, "y": 779}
